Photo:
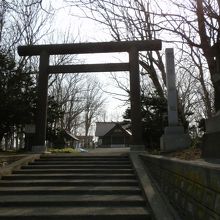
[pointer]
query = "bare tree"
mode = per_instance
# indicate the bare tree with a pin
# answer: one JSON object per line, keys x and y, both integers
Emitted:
{"x": 128, "y": 20}
{"x": 196, "y": 23}
{"x": 22, "y": 22}
{"x": 67, "y": 91}
{"x": 136, "y": 20}
{"x": 193, "y": 27}
{"x": 80, "y": 98}
{"x": 26, "y": 22}
{"x": 93, "y": 102}
{"x": 195, "y": 67}
{"x": 3, "y": 9}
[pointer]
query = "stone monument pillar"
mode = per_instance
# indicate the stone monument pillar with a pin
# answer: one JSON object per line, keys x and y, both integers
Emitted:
{"x": 174, "y": 137}
{"x": 211, "y": 138}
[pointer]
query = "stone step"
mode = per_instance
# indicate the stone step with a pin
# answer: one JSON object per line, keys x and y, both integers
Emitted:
{"x": 72, "y": 200}
{"x": 91, "y": 166}
{"x": 55, "y": 162}
{"x": 73, "y": 187}
{"x": 80, "y": 190}
{"x": 75, "y": 213}
{"x": 65, "y": 171}
{"x": 81, "y": 159}
{"x": 67, "y": 157}
{"x": 61, "y": 182}
{"x": 68, "y": 176}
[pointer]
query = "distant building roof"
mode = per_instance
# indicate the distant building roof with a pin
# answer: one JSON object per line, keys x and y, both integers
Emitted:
{"x": 70, "y": 135}
{"x": 126, "y": 127}
{"x": 122, "y": 128}
{"x": 103, "y": 128}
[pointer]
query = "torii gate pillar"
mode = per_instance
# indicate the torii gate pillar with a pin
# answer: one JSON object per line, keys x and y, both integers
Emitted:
{"x": 136, "y": 126}
{"x": 41, "y": 117}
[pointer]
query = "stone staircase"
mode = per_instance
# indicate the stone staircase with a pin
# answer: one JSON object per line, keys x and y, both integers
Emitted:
{"x": 74, "y": 187}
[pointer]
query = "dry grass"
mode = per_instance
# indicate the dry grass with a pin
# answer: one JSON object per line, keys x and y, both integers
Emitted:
{"x": 186, "y": 154}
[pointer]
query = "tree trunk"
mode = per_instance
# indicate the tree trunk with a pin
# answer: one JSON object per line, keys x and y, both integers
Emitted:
{"x": 206, "y": 47}
{"x": 153, "y": 75}
{"x": 1, "y": 138}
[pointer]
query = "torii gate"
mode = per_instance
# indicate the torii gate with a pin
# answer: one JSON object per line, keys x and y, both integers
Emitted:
{"x": 44, "y": 51}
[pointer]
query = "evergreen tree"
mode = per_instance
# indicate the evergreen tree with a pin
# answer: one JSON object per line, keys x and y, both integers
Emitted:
{"x": 154, "y": 118}
{"x": 18, "y": 98}
{"x": 17, "y": 95}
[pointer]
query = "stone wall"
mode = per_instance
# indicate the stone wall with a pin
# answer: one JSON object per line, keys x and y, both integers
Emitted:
{"x": 25, "y": 159}
{"x": 193, "y": 188}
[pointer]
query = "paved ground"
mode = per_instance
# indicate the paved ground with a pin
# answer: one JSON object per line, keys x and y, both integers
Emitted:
{"x": 108, "y": 151}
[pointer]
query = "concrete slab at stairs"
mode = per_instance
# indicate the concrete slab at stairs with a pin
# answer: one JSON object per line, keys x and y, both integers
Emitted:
{"x": 93, "y": 187}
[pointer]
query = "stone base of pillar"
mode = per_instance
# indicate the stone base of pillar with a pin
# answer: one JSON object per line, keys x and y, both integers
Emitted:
{"x": 211, "y": 145}
{"x": 137, "y": 147}
{"x": 39, "y": 149}
{"x": 213, "y": 124}
{"x": 174, "y": 139}
{"x": 211, "y": 139}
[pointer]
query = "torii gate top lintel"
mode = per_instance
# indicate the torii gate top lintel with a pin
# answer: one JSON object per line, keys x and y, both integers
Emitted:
{"x": 97, "y": 47}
